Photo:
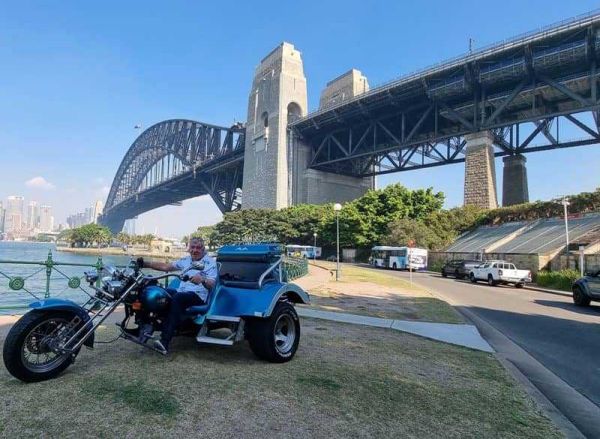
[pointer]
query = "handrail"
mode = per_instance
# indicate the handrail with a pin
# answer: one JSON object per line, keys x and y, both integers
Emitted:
{"x": 268, "y": 270}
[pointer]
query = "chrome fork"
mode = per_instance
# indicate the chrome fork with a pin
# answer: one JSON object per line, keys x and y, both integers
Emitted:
{"x": 96, "y": 320}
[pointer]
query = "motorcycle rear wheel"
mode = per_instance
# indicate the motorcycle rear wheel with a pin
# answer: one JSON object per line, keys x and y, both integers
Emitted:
{"x": 26, "y": 353}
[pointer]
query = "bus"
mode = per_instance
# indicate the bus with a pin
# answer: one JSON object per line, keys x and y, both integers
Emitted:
{"x": 303, "y": 251}
{"x": 397, "y": 258}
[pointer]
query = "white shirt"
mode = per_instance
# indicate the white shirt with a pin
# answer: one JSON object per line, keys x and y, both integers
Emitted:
{"x": 209, "y": 272}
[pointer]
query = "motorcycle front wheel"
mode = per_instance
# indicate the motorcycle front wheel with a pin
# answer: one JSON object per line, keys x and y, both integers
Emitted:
{"x": 28, "y": 349}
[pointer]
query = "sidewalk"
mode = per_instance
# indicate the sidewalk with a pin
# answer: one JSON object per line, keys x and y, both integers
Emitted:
{"x": 548, "y": 290}
{"x": 458, "y": 334}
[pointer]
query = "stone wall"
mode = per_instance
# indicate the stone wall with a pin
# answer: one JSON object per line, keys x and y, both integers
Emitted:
{"x": 531, "y": 262}
{"x": 562, "y": 262}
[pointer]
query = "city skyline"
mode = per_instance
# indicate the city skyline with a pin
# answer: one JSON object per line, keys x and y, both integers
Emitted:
{"x": 102, "y": 64}
{"x": 21, "y": 218}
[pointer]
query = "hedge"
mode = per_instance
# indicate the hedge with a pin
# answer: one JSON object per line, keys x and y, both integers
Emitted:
{"x": 560, "y": 280}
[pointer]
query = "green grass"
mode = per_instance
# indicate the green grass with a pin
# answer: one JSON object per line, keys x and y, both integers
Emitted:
{"x": 560, "y": 280}
{"x": 414, "y": 303}
{"x": 346, "y": 381}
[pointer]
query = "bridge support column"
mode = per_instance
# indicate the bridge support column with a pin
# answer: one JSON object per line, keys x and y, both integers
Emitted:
{"x": 278, "y": 94}
{"x": 480, "y": 171}
{"x": 514, "y": 182}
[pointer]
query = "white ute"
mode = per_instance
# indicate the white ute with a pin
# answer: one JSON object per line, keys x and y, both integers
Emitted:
{"x": 500, "y": 272}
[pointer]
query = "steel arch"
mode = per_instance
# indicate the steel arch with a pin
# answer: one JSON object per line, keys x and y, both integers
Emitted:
{"x": 210, "y": 156}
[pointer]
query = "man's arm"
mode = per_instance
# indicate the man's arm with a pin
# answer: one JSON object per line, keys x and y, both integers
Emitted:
{"x": 208, "y": 278}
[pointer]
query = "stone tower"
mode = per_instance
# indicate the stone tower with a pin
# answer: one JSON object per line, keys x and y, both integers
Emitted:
{"x": 278, "y": 95}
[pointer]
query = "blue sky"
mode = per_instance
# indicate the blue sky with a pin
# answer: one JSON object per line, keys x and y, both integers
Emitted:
{"x": 75, "y": 78}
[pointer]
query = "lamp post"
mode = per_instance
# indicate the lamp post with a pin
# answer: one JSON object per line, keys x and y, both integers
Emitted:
{"x": 337, "y": 207}
{"x": 565, "y": 203}
{"x": 315, "y": 247}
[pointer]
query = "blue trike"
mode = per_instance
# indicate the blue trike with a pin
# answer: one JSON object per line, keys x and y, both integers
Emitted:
{"x": 250, "y": 301}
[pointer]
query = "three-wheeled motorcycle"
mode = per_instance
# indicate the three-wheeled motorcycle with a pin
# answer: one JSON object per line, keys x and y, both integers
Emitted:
{"x": 250, "y": 301}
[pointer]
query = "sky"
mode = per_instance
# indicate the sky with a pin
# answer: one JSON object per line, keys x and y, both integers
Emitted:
{"x": 76, "y": 77}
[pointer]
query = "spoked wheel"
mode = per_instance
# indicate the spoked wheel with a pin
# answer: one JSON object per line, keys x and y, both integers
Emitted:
{"x": 275, "y": 339}
{"x": 30, "y": 352}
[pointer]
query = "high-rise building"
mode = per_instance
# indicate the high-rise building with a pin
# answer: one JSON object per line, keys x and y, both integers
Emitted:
{"x": 129, "y": 226}
{"x": 14, "y": 214}
{"x": 33, "y": 214}
{"x": 46, "y": 219}
{"x": 2, "y": 216}
{"x": 98, "y": 207}
{"x": 88, "y": 215}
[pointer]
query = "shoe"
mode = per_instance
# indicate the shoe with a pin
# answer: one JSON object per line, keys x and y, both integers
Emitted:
{"x": 160, "y": 347}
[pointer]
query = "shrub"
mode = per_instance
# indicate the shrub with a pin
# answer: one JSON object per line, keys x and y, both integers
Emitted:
{"x": 560, "y": 280}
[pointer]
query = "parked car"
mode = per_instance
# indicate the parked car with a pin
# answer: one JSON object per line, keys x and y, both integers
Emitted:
{"x": 586, "y": 289}
{"x": 459, "y": 268}
{"x": 500, "y": 272}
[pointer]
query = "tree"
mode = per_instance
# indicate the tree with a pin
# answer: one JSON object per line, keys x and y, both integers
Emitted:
{"x": 404, "y": 230}
{"x": 124, "y": 238}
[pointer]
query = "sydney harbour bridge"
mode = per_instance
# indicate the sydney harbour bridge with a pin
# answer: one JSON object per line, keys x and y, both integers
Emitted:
{"x": 535, "y": 92}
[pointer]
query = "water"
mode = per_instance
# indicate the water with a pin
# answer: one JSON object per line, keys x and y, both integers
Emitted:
{"x": 35, "y": 275}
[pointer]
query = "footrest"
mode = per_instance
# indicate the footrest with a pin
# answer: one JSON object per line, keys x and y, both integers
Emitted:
{"x": 213, "y": 340}
{"x": 216, "y": 318}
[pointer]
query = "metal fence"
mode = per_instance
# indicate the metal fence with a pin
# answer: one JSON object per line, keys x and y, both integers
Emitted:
{"x": 42, "y": 279}
{"x": 293, "y": 268}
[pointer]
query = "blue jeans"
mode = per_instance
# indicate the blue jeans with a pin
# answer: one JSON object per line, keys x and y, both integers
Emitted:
{"x": 180, "y": 302}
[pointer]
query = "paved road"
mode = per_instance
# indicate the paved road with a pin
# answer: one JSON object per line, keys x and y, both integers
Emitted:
{"x": 562, "y": 337}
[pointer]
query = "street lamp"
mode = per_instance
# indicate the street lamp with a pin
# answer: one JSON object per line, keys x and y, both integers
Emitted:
{"x": 315, "y": 247}
{"x": 565, "y": 203}
{"x": 337, "y": 207}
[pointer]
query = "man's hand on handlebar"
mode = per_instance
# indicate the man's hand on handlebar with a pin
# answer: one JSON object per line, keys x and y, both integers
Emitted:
{"x": 197, "y": 279}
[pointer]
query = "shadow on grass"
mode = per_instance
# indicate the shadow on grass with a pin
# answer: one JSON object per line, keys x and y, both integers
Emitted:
{"x": 137, "y": 395}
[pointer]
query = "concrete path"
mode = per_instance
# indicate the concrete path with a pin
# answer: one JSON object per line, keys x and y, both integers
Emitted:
{"x": 462, "y": 335}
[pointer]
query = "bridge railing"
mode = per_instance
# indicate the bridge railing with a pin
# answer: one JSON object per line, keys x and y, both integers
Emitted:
{"x": 544, "y": 31}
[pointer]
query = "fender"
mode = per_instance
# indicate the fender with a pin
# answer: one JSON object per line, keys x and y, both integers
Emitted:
{"x": 65, "y": 305}
{"x": 292, "y": 292}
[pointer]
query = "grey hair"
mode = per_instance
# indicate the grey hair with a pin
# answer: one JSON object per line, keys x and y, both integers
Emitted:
{"x": 196, "y": 238}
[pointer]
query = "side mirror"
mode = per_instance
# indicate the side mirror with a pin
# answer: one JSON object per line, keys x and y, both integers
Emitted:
{"x": 91, "y": 276}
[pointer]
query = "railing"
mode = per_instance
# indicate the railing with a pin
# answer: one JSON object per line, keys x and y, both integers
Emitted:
{"x": 542, "y": 32}
{"x": 38, "y": 284}
{"x": 293, "y": 268}
{"x": 49, "y": 270}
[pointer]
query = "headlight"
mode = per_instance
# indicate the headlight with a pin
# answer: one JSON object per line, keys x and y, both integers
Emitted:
{"x": 113, "y": 286}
